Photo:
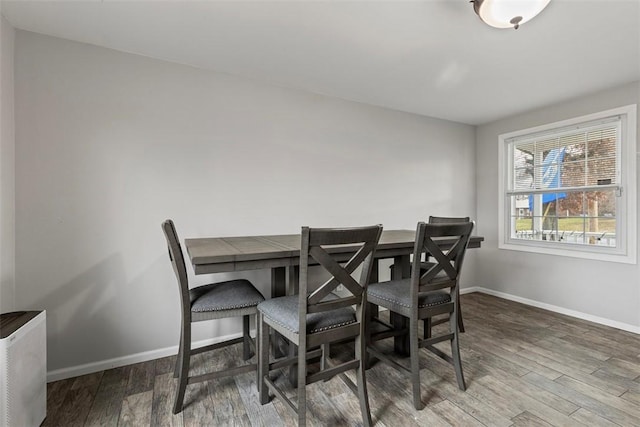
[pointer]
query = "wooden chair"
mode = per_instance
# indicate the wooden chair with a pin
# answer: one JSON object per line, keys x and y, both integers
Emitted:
{"x": 447, "y": 220}
{"x": 429, "y": 323}
{"x": 423, "y": 296}
{"x": 213, "y": 301}
{"x": 318, "y": 317}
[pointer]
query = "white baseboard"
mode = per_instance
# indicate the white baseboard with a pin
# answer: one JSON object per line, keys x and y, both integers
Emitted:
{"x": 573, "y": 313}
{"x": 74, "y": 371}
{"x": 88, "y": 368}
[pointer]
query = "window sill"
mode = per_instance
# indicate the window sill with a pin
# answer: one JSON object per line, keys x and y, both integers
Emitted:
{"x": 599, "y": 254}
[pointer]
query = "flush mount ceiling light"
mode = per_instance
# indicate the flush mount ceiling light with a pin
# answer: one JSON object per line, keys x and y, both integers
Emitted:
{"x": 508, "y": 13}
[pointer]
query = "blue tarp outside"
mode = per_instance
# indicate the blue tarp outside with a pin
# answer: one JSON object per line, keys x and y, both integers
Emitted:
{"x": 551, "y": 176}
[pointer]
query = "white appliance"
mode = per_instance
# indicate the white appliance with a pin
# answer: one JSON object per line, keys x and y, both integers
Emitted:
{"x": 23, "y": 368}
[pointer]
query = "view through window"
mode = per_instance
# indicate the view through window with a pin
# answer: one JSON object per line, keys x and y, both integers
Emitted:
{"x": 566, "y": 186}
{"x": 569, "y": 188}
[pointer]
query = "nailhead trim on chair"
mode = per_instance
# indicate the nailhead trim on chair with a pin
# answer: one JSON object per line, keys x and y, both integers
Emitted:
{"x": 405, "y": 305}
{"x": 231, "y": 307}
{"x": 313, "y": 330}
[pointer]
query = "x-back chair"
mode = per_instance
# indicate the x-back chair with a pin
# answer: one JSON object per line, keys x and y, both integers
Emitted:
{"x": 319, "y": 317}
{"x": 221, "y": 300}
{"x": 432, "y": 290}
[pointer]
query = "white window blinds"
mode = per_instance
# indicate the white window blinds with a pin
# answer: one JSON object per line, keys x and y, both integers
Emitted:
{"x": 581, "y": 157}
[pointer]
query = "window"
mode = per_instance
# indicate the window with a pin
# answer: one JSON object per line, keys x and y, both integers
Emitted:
{"x": 569, "y": 188}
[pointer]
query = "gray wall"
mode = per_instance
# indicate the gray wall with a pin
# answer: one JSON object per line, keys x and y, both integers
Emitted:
{"x": 602, "y": 289}
{"x": 7, "y": 175}
{"x": 110, "y": 144}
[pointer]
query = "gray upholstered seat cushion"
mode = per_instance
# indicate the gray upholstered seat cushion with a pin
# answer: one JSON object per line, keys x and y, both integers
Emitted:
{"x": 284, "y": 311}
{"x": 396, "y": 295}
{"x": 229, "y": 295}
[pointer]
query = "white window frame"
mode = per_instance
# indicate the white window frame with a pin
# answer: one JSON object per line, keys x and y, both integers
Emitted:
{"x": 626, "y": 214}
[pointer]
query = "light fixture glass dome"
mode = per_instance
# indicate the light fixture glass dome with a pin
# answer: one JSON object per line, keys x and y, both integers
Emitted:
{"x": 508, "y": 13}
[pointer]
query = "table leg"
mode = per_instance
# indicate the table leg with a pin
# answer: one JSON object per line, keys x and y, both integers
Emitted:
{"x": 278, "y": 281}
{"x": 293, "y": 280}
{"x": 401, "y": 269}
{"x": 373, "y": 309}
{"x": 371, "y": 312}
{"x": 278, "y": 289}
{"x": 400, "y": 342}
{"x": 284, "y": 281}
{"x": 292, "y": 289}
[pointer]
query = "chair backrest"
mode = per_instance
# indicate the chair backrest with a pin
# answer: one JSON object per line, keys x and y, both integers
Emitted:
{"x": 445, "y": 271}
{"x": 340, "y": 252}
{"x": 447, "y": 220}
{"x": 177, "y": 262}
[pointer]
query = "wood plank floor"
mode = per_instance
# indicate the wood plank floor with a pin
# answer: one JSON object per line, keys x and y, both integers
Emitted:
{"x": 523, "y": 366}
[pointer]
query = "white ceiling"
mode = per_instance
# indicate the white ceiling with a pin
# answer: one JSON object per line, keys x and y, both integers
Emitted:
{"x": 434, "y": 58}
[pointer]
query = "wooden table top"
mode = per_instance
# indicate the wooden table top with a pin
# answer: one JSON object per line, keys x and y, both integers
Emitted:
{"x": 224, "y": 254}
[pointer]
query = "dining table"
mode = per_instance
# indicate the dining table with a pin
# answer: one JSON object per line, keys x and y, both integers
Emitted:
{"x": 281, "y": 255}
